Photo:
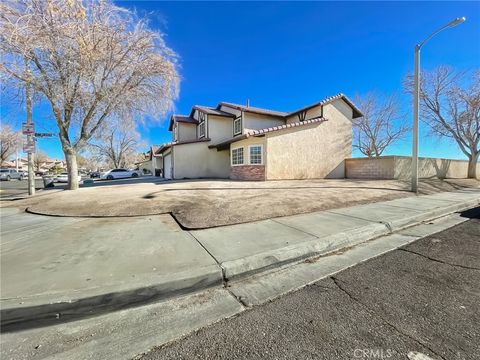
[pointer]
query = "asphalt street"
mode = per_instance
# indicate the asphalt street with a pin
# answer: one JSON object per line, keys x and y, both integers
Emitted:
{"x": 421, "y": 301}
{"x": 17, "y": 188}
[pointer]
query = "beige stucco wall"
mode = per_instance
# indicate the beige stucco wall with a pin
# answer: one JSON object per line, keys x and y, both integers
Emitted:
{"x": 399, "y": 167}
{"x": 312, "y": 151}
{"x": 311, "y": 113}
{"x": 230, "y": 110}
{"x": 219, "y": 128}
{"x": 195, "y": 115}
{"x": 197, "y": 160}
{"x": 186, "y": 131}
{"x": 253, "y": 121}
{"x": 432, "y": 168}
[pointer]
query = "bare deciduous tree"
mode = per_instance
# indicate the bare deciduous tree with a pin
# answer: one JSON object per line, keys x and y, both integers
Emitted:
{"x": 119, "y": 144}
{"x": 450, "y": 105}
{"x": 39, "y": 160}
{"x": 379, "y": 127}
{"x": 90, "y": 60}
{"x": 9, "y": 142}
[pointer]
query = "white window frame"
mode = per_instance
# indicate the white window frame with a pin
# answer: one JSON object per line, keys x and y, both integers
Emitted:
{"x": 202, "y": 124}
{"x": 239, "y": 119}
{"x": 261, "y": 154}
{"x": 243, "y": 156}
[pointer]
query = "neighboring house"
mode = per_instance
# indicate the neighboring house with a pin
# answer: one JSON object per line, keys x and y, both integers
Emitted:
{"x": 8, "y": 164}
{"x": 152, "y": 163}
{"x": 42, "y": 168}
{"x": 49, "y": 164}
{"x": 249, "y": 143}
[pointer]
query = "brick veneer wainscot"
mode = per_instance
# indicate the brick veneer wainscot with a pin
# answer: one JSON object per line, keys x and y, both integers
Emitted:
{"x": 247, "y": 172}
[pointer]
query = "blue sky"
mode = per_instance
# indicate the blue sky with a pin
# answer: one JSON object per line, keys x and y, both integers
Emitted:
{"x": 284, "y": 55}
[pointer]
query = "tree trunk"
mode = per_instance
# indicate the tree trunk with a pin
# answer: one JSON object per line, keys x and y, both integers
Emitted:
{"x": 72, "y": 169}
{"x": 472, "y": 165}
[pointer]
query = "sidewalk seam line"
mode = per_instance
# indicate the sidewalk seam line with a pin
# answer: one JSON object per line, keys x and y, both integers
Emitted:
{"x": 356, "y": 217}
{"x": 237, "y": 298}
{"x": 224, "y": 279}
{"x": 293, "y": 227}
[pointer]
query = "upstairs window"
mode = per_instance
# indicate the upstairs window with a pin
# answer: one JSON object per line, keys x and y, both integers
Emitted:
{"x": 237, "y": 156}
{"x": 202, "y": 118}
{"x": 256, "y": 154}
{"x": 201, "y": 129}
{"x": 237, "y": 126}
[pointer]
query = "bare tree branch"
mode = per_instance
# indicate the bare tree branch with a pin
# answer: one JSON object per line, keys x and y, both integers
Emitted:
{"x": 450, "y": 105}
{"x": 10, "y": 142}
{"x": 91, "y": 60}
{"x": 380, "y": 126}
{"x": 118, "y": 146}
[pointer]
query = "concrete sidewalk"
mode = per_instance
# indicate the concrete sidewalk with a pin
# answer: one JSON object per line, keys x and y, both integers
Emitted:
{"x": 59, "y": 269}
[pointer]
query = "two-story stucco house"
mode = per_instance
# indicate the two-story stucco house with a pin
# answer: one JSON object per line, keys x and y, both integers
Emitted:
{"x": 249, "y": 143}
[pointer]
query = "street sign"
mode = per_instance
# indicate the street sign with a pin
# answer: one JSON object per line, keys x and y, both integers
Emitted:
{"x": 44, "y": 134}
{"x": 28, "y": 129}
{"x": 28, "y": 149}
{"x": 29, "y": 146}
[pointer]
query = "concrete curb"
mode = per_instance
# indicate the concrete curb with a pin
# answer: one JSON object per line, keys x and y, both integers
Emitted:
{"x": 320, "y": 246}
{"x": 271, "y": 259}
{"x": 38, "y": 312}
{"x": 41, "y": 311}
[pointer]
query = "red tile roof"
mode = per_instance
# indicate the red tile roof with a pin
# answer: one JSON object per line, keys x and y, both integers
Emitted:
{"x": 356, "y": 112}
{"x": 286, "y": 126}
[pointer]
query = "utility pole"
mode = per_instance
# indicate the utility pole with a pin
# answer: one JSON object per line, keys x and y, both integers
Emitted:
{"x": 30, "y": 140}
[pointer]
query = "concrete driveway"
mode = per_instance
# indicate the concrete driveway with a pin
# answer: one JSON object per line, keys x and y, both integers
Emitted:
{"x": 198, "y": 204}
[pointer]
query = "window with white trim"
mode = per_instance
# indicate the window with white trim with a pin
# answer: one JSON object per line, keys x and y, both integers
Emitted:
{"x": 256, "y": 154}
{"x": 237, "y": 156}
{"x": 201, "y": 129}
{"x": 237, "y": 126}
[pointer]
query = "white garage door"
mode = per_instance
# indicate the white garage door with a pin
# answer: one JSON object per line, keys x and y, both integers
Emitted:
{"x": 167, "y": 166}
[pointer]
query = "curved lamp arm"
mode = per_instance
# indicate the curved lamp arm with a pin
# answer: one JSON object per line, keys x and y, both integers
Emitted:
{"x": 449, "y": 25}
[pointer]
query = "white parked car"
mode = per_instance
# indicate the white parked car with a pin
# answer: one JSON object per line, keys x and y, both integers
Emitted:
{"x": 119, "y": 174}
{"x": 63, "y": 178}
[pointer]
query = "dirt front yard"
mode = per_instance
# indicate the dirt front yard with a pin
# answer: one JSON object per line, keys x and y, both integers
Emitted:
{"x": 207, "y": 203}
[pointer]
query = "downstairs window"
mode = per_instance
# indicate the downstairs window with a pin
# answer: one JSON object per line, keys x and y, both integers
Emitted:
{"x": 237, "y": 156}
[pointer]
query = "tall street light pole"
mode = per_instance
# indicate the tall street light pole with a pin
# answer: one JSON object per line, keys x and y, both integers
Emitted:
{"x": 416, "y": 100}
